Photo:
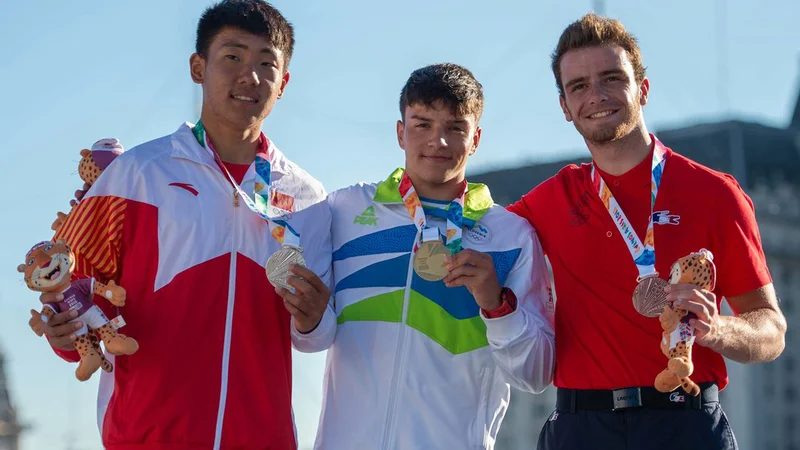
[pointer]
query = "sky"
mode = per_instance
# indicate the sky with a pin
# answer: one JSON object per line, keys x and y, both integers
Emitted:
{"x": 74, "y": 72}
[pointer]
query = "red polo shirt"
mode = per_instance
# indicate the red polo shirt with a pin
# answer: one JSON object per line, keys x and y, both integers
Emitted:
{"x": 601, "y": 341}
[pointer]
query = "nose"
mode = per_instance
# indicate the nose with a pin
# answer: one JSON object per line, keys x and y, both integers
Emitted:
{"x": 250, "y": 77}
{"x": 599, "y": 93}
{"x": 44, "y": 264}
{"x": 438, "y": 139}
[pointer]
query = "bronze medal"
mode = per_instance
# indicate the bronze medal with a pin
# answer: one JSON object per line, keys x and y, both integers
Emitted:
{"x": 429, "y": 261}
{"x": 649, "y": 297}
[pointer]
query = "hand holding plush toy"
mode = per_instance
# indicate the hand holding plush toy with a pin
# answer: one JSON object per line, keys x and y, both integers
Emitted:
{"x": 93, "y": 163}
{"x": 48, "y": 268}
{"x": 678, "y": 336}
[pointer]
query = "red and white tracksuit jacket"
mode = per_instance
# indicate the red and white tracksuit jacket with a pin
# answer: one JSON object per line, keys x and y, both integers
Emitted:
{"x": 214, "y": 365}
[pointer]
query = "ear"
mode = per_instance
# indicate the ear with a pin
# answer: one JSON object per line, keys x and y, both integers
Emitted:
{"x": 476, "y": 140}
{"x": 61, "y": 241}
{"x": 563, "y": 102}
{"x": 86, "y": 152}
{"x": 400, "y": 130}
{"x": 197, "y": 66}
{"x": 284, "y": 82}
{"x": 644, "y": 91}
{"x": 21, "y": 268}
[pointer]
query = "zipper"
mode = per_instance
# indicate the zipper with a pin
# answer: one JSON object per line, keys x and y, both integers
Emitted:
{"x": 400, "y": 356}
{"x": 226, "y": 346}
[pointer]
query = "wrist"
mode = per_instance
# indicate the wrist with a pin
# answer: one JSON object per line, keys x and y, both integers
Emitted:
{"x": 304, "y": 328}
{"x": 507, "y": 303}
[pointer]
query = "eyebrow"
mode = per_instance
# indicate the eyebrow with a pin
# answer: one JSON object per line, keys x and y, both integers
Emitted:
{"x": 235, "y": 44}
{"x": 424, "y": 119}
{"x": 602, "y": 74}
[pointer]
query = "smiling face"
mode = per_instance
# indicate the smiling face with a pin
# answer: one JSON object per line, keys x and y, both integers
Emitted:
{"x": 437, "y": 143}
{"x": 48, "y": 266}
{"x": 601, "y": 96}
{"x": 242, "y": 75}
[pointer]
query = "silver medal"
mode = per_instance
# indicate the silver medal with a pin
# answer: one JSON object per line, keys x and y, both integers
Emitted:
{"x": 279, "y": 263}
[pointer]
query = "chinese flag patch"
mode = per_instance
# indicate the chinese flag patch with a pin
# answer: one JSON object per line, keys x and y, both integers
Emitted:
{"x": 283, "y": 201}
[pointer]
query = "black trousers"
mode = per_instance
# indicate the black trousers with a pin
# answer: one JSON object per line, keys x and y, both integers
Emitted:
{"x": 706, "y": 428}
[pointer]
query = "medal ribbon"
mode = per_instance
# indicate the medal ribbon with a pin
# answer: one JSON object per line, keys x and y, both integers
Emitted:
{"x": 280, "y": 230}
{"x": 643, "y": 253}
{"x": 455, "y": 216}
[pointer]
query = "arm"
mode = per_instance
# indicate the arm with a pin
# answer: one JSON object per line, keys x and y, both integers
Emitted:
{"x": 313, "y": 327}
{"x": 93, "y": 232}
{"x": 756, "y": 333}
{"x": 522, "y": 342}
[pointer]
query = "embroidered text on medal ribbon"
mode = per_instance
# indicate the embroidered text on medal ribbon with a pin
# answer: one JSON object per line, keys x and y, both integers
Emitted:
{"x": 643, "y": 253}
{"x": 280, "y": 229}
{"x": 455, "y": 216}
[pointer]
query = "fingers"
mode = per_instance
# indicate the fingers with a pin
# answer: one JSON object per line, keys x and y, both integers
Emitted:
{"x": 310, "y": 277}
{"x": 297, "y": 306}
{"x": 302, "y": 287}
{"x": 462, "y": 271}
{"x": 700, "y": 327}
{"x": 293, "y": 310}
{"x": 60, "y": 332}
{"x": 701, "y": 310}
{"x": 468, "y": 257}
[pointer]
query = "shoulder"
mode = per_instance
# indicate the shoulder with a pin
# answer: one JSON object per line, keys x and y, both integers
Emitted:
{"x": 352, "y": 197}
{"x": 502, "y": 229}
{"x": 300, "y": 183}
{"x": 721, "y": 186}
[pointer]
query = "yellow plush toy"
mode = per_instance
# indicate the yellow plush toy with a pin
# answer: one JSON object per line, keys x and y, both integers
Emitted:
{"x": 48, "y": 268}
{"x": 678, "y": 336}
{"x": 93, "y": 162}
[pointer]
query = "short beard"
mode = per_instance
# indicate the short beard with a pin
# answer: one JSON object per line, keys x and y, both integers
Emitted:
{"x": 608, "y": 134}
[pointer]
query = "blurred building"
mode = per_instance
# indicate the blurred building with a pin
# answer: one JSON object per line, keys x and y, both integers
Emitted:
{"x": 761, "y": 401}
{"x": 9, "y": 428}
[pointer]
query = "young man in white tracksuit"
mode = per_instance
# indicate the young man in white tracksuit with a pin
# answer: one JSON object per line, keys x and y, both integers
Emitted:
{"x": 441, "y": 296}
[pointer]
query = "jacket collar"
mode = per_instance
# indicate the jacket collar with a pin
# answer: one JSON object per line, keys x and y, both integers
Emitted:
{"x": 476, "y": 203}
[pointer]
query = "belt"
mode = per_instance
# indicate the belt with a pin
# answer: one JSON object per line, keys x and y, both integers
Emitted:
{"x": 573, "y": 400}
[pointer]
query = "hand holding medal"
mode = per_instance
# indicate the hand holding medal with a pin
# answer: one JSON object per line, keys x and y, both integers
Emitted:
{"x": 475, "y": 271}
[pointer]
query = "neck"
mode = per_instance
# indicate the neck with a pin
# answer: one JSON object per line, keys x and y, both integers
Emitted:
{"x": 233, "y": 145}
{"x": 446, "y": 191}
{"x": 619, "y": 156}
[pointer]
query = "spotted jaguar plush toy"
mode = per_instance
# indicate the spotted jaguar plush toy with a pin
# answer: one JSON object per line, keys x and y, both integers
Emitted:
{"x": 678, "y": 336}
{"x": 93, "y": 162}
{"x": 48, "y": 268}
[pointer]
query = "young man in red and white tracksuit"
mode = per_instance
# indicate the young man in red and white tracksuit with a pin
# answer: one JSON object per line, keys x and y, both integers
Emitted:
{"x": 168, "y": 221}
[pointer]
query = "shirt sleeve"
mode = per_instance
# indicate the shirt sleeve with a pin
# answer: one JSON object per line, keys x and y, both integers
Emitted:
{"x": 319, "y": 255}
{"x": 93, "y": 231}
{"x": 523, "y": 342}
{"x": 738, "y": 253}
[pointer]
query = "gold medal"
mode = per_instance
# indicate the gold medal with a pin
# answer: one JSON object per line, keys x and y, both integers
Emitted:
{"x": 429, "y": 261}
{"x": 279, "y": 263}
{"x": 649, "y": 297}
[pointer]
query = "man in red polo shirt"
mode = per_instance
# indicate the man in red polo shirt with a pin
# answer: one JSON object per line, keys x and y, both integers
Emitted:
{"x": 603, "y": 345}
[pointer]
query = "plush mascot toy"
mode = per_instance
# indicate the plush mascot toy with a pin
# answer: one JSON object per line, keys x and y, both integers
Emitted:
{"x": 48, "y": 268}
{"x": 93, "y": 163}
{"x": 678, "y": 336}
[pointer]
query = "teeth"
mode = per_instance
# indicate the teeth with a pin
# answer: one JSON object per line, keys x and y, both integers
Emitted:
{"x": 601, "y": 114}
{"x": 243, "y": 98}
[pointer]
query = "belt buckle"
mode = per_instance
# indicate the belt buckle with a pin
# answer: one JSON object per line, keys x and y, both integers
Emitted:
{"x": 627, "y": 398}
